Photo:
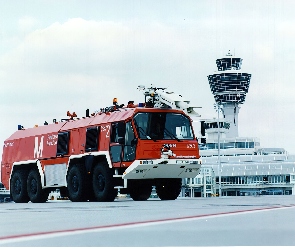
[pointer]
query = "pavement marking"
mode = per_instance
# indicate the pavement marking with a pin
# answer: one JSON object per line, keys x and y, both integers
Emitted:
{"x": 68, "y": 232}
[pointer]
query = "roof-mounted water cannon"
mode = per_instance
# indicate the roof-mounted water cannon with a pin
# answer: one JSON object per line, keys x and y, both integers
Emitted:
{"x": 160, "y": 98}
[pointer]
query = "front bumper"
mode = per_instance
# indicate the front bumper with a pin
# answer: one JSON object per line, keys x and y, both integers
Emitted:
{"x": 163, "y": 168}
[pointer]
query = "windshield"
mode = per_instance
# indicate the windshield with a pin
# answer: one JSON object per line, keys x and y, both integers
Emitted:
{"x": 163, "y": 126}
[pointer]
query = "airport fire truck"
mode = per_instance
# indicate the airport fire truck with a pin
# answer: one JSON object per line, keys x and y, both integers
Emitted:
{"x": 129, "y": 149}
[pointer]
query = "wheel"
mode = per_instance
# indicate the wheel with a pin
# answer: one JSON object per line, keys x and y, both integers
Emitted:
{"x": 76, "y": 182}
{"x": 140, "y": 190}
{"x": 168, "y": 189}
{"x": 103, "y": 183}
{"x": 34, "y": 188}
{"x": 18, "y": 186}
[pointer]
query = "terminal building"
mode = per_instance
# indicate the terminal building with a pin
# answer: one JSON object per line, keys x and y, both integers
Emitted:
{"x": 233, "y": 165}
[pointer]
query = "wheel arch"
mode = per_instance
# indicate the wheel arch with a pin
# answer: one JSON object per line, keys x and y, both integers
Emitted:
{"x": 27, "y": 166}
{"x": 90, "y": 160}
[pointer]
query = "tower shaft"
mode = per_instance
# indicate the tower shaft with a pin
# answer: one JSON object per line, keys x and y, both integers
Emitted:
{"x": 231, "y": 114}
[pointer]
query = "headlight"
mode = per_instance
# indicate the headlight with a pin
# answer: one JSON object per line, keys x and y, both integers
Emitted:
{"x": 186, "y": 162}
{"x": 146, "y": 162}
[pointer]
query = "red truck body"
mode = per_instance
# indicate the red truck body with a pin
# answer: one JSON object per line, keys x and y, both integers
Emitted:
{"x": 91, "y": 158}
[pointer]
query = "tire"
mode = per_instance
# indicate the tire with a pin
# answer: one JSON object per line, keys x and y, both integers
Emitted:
{"x": 103, "y": 183}
{"x": 34, "y": 188}
{"x": 76, "y": 183}
{"x": 140, "y": 190}
{"x": 18, "y": 187}
{"x": 168, "y": 189}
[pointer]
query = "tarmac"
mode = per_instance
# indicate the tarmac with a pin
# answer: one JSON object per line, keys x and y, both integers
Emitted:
{"x": 185, "y": 222}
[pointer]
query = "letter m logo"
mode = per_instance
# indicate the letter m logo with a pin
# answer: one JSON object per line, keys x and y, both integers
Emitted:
{"x": 38, "y": 149}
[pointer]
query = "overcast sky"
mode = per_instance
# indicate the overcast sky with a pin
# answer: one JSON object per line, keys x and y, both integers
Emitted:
{"x": 65, "y": 55}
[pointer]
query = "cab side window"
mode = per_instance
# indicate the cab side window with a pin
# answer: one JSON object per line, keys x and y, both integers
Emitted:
{"x": 92, "y": 135}
{"x": 63, "y": 143}
{"x": 118, "y": 132}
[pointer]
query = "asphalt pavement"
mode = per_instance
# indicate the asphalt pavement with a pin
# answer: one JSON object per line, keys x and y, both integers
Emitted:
{"x": 185, "y": 222}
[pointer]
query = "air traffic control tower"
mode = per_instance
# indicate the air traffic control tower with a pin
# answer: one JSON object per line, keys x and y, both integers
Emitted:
{"x": 230, "y": 85}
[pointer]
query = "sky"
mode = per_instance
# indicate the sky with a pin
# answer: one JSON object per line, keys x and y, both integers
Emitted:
{"x": 59, "y": 56}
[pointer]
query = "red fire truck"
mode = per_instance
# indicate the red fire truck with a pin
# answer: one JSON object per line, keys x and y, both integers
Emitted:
{"x": 130, "y": 149}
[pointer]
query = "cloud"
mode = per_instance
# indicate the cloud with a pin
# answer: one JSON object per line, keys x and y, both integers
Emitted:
{"x": 27, "y": 24}
{"x": 83, "y": 63}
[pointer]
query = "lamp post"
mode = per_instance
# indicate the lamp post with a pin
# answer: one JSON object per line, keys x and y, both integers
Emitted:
{"x": 219, "y": 162}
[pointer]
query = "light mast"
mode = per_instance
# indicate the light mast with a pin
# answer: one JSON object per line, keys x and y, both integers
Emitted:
{"x": 230, "y": 85}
